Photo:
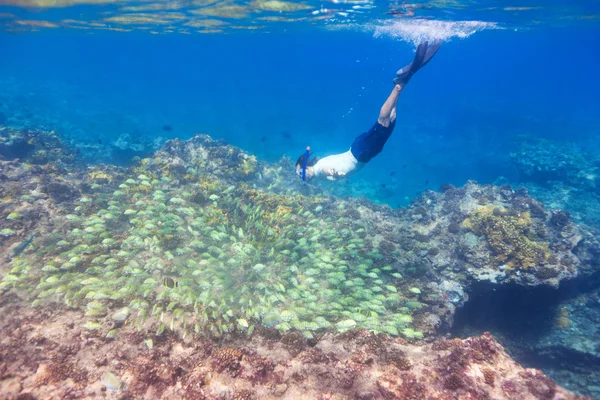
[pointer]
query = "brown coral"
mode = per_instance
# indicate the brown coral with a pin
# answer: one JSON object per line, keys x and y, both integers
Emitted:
{"x": 489, "y": 376}
{"x": 398, "y": 359}
{"x": 510, "y": 388}
{"x": 258, "y": 368}
{"x": 152, "y": 371}
{"x": 375, "y": 343}
{"x": 345, "y": 376}
{"x": 405, "y": 386}
{"x": 314, "y": 355}
{"x": 446, "y": 344}
{"x": 228, "y": 359}
{"x": 294, "y": 342}
{"x": 61, "y": 371}
{"x": 483, "y": 348}
{"x": 194, "y": 382}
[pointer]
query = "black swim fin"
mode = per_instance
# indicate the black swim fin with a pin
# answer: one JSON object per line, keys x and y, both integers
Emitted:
{"x": 425, "y": 52}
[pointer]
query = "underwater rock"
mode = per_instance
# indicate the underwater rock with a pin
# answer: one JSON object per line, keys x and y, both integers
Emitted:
{"x": 542, "y": 161}
{"x": 496, "y": 234}
{"x": 211, "y": 158}
{"x": 561, "y": 175}
{"x": 64, "y": 362}
{"x": 34, "y": 146}
{"x": 571, "y": 342}
{"x": 582, "y": 204}
{"x": 130, "y": 146}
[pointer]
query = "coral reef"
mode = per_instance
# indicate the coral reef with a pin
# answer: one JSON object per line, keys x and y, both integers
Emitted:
{"x": 553, "y": 330}
{"x": 202, "y": 243}
{"x": 561, "y": 175}
{"x": 582, "y": 204}
{"x": 245, "y": 257}
{"x": 33, "y": 342}
{"x": 542, "y": 161}
{"x": 33, "y": 192}
{"x": 34, "y": 146}
{"x": 243, "y": 249}
{"x": 126, "y": 148}
{"x": 495, "y": 234}
{"x": 507, "y": 236}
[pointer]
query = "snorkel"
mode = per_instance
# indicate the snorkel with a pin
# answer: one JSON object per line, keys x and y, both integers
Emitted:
{"x": 305, "y": 163}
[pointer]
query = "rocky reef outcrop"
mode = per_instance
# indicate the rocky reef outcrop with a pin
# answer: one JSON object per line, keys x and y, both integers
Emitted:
{"x": 571, "y": 340}
{"x": 46, "y": 354}
{"x": 34, "y": 145}
{"x": 495, "y": 234}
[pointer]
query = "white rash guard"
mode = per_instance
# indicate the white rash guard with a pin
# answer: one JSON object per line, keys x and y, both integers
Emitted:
{"x": 344, "y": 163}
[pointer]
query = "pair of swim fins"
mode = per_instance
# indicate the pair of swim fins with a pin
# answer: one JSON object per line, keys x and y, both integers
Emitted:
{"x": 425, "y": 52}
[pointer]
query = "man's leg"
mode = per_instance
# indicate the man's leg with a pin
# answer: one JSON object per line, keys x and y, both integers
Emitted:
{"x": 387, "y": 115}
{"x": 370, "y": 143}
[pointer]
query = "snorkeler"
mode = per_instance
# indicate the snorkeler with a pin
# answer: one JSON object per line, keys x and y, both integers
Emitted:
{"x": 369, "y": 144}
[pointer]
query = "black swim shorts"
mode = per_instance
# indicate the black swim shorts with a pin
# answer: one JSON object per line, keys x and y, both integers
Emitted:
{"x": 369, "y": 144}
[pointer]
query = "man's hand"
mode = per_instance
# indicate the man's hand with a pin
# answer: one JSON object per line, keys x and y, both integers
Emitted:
{"x": 332, "y": 174}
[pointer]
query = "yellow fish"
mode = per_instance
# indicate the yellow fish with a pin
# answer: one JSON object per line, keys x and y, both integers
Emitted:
{"x": 170, "y": 282}
{"x": 111, "y": 381}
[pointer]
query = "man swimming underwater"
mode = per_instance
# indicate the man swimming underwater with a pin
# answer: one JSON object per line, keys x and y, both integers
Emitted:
{"x": 369, "y": 144}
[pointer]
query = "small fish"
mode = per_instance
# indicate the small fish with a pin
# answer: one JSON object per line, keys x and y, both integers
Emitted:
{"x": 410, "y": 12}
{"x": 121, "y": 315}
{"x": 21, "y": 246}
{"x": 99, "y": 141}
{"x": 78, "y": 151}
{"x": 392, "y": 173}
{"x": 170, "y": 282}
{"x": 383, "y": 185}
{"x": 271, "y": 320}
{"x": 167, "y": 128}
{"x": 404, "y": 166}
{"x": 264, "y": 139}
{"x": 111, "y": 381}
{"x": 286, "y": 135}
{"x": 427, "y": 182}
{"x": 395, "y": 12}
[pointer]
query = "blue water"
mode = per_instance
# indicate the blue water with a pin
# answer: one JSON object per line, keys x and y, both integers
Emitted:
{"x": 274, "y": 93}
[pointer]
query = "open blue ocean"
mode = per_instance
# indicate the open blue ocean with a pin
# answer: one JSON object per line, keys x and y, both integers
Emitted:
{"x": 497, "y": 142}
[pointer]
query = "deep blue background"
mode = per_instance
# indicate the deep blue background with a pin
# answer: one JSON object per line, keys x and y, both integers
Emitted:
{"x": 273, "y": 94}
